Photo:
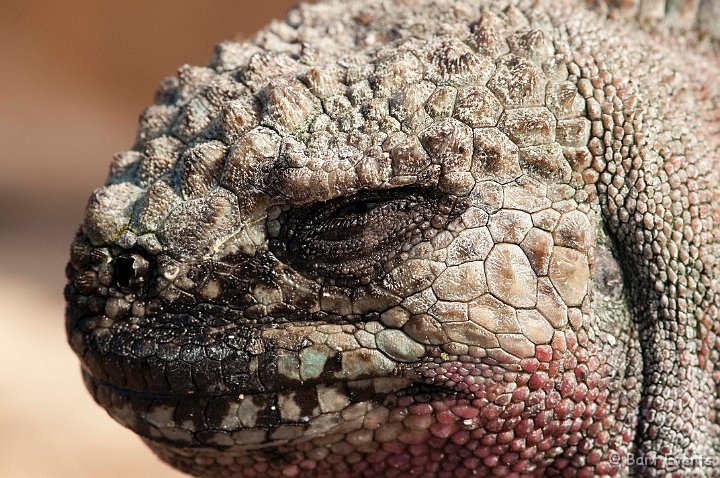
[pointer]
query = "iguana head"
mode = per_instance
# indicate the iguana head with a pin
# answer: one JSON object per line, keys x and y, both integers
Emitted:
{"x": 370, "y": 243}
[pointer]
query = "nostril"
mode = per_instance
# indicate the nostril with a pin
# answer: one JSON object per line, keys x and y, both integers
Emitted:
{"x": 131, "y": 271}
{"x": 124, "y": 271}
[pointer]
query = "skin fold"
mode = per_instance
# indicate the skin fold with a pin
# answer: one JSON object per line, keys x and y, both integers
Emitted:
{"x": 414, "y": 238}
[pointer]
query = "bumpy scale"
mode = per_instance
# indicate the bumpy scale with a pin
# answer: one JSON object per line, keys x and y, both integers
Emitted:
{"x": 419, "y": 238}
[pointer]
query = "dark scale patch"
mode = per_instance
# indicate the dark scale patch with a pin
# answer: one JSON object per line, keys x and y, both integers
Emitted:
{"x": 425, "y": 393}
{"x": 268, "y": 414}
{"x": 363, "y": 390}
{"x": 333, "y": 364}
{"x": 307, "y": 401}
{"x": 217, "y": 411}
{"x": 190, "y": 411}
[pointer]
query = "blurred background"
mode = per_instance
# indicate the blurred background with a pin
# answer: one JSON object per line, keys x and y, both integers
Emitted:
{"x": 74, "y": 76}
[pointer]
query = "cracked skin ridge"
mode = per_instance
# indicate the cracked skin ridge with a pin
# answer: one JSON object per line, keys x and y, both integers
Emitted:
{"x": 416, "y": 238}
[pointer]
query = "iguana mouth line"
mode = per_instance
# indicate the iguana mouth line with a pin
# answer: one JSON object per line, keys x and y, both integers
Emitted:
{"x": 239, "y": 359}
{"x": 120, "y": 390}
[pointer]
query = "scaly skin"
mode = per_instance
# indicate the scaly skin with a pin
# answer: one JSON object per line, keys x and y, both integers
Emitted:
{"x": 418, "y": 238}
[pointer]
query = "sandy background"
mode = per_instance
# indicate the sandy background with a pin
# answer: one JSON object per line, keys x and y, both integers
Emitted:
{"x": 74, "y": 75}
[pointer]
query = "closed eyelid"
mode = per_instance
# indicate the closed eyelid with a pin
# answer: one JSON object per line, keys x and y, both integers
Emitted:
{"x": 354, "y": 240}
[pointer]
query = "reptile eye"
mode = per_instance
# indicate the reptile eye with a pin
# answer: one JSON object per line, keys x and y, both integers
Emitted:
{"x": 131, "y": 272}
{"x": 349, "y": 240}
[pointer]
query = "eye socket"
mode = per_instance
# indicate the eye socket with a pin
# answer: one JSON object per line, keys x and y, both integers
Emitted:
{"x": 131, "y": 271}
{"x": 350, "y": 240}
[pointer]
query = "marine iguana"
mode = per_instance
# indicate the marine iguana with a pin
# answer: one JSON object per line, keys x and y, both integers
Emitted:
{"x": 419, "y": 238}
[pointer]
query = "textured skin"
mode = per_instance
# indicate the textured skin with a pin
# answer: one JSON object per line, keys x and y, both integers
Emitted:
{"x": 419, "y": 238}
